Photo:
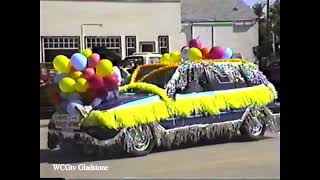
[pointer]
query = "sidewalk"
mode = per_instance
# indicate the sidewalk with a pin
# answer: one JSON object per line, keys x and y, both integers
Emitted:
{"x": 44, "y": 122}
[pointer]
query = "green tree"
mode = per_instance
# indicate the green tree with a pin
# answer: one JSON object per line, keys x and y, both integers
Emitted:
{"x": 275, "y": 19}
{"x": 265, "y": 37}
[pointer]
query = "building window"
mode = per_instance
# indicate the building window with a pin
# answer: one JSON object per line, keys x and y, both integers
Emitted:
{"x": 110, "y": 42}
{"x": 56, "y": 45}
{"x": 131, "y": 45}
{"x": 163, "y": 43}
{"x": 147, "y": 46}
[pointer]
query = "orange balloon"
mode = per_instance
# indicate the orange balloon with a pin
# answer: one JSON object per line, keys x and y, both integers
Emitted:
{"x": 205, "y": 52}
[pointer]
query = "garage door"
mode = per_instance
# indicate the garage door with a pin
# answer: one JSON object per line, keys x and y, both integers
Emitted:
{"x": 205, "y": 33}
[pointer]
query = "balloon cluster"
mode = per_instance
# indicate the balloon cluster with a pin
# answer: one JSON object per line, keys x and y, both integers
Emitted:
{"x": 194, "y": 51}
{"x": 82, "y": 78}
{"x": 171, "y": 59}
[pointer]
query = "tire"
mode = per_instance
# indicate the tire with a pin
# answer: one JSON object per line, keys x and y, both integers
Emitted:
{"x": 253, "y": 131}
{"x": 143, "y": 144}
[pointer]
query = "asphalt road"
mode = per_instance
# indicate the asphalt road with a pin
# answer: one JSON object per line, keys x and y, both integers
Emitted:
{"x": 237, "y": 159}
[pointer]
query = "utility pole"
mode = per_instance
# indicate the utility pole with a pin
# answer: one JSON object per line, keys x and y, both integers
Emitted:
{"x": 268, "y": 26}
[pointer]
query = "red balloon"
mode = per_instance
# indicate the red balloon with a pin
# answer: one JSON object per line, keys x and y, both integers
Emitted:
{"x": 93, "y": 60}
{"x": 111, "y": 83}
{"x": 216, "y": 53}
{"x": 73, "y": 69}
{"x": 96, "y": 83}
{"x": 205, "y": 52}
{"x": 88, "y": 73}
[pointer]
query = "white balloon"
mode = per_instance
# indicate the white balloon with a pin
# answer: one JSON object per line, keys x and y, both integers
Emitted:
{"x": 185, "y": 53}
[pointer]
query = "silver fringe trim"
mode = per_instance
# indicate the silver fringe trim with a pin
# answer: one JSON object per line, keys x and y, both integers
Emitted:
{"x": 195, "y": 133}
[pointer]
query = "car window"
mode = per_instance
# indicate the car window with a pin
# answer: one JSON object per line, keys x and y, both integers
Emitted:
{"x": 130, "y": 62}
{"x": 154, "y": 60}
{"x": 219, "y": 82}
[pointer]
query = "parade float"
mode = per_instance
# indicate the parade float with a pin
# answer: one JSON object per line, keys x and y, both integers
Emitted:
{"x": 195, "y": 94}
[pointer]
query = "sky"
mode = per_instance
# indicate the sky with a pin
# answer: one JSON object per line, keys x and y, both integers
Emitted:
{"x": 252, "y": 2}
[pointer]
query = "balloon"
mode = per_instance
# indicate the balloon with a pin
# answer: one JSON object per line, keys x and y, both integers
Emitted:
{"x": 185, "y": 53}
{"x": 216, "y": 53}
{"x": 67, "y": 85}
{"x": 93, "y": 60}
{"x": 72, "y": 69}
{"x": 81, "y": 85}
{"x": 228, "y": 53}
{"x": 165, "y": 58}
{"x": 195, "y": 43}
{"x": 88, "y": 73}
{"x": 62, "y": 64}
{"x": 76, "y": 74}
{"x": 96, "y": 83}
{"x": 175, "y": 57}
{"x": 111, "y": 83}
{"x": 195, "y": 54}
{"x": 71, "y": 107}
{"x": 79, "y": 61}
{"x": 205, "y": 52}
{"x": 58, "y": 77}
{"x": 104, "y": 68}
{"x": 87, "y": 52}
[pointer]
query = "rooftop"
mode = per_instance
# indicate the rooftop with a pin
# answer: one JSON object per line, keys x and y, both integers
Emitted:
{"x": 215, "y": 10}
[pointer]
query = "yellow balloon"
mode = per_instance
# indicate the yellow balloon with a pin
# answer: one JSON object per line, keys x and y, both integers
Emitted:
{"x": 87, "y": 52}
{"x": 104, "y": 68}
{"x": 62, "y": 64}
{"x": 76, "y": 74}
{"x": 67, "y": 85}
{"x": 175, "y": 57}
{"x": 165, "y": 58}
{"x": 81, "y": 85}
{"x": 195, "y": 54}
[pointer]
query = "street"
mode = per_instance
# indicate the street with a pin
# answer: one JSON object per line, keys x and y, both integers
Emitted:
{"x": 236, "y": 159}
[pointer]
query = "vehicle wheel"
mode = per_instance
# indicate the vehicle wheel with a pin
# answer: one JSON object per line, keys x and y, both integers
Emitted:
{"x": 253, "y": 129}
{"x": 141, "y": 140}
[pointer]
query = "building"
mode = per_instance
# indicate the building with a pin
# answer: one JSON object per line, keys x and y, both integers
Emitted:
{"x": 129, "y": 26}
{"x": 226, "y": 23}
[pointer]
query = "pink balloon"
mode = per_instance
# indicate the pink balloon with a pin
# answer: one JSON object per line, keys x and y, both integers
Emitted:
{"x": 111, "y": 83}
{"x": 96, "y": 83}
{"x": 89, "y": 73}
{"x": 196, "y": 43}
{"x": 216, "y": 53}
{"x": 93, "y": 60}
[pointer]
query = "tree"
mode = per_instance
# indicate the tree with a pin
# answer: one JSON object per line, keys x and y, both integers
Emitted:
{"x": 265, "y": 38}
{"x": 275, "y": 19}
{"x": 258, "y": 9}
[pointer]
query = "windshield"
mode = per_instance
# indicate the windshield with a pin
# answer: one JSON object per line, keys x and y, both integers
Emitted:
{"x": 134, "y": 61}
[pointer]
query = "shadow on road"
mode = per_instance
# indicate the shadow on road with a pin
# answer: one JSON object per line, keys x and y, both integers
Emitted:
{"x": 59, "y": 157}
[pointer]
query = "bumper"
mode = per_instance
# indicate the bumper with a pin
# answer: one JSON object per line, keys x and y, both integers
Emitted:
{"x": 56, "y": 137}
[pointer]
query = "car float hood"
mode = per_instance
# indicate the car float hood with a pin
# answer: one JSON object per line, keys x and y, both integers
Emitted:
{"x": 122, "y": 99}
